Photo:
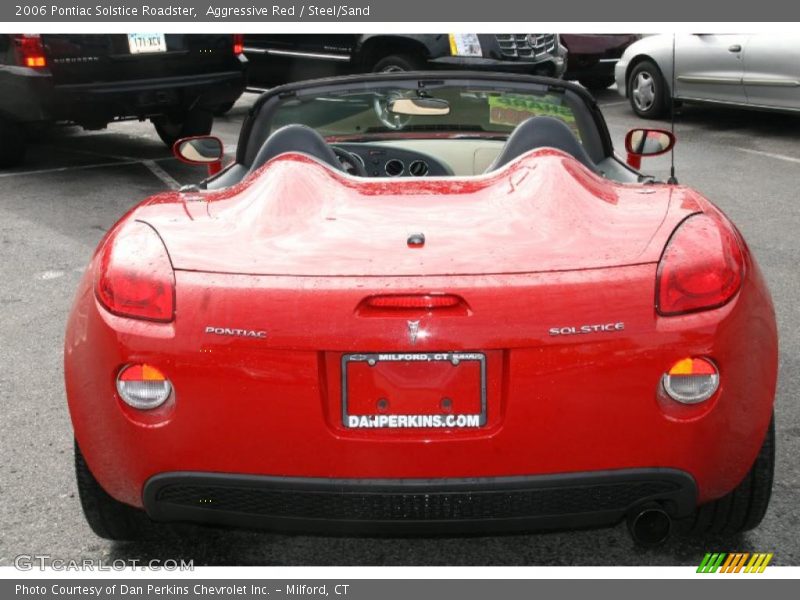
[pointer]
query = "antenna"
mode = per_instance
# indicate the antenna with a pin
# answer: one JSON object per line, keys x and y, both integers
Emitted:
{"x": 672, "y": 179}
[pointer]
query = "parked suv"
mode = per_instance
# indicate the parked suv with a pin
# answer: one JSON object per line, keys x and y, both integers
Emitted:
{"x": 175, "y": 80}
{"x": 282, "y": 58}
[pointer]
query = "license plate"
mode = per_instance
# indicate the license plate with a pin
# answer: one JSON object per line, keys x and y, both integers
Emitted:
{"x": 146, "y": 43}
{"x": 437, "y": 390}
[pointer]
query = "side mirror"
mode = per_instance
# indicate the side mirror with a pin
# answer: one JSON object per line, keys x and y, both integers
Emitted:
{"x": 647, "y": 142}
{"x": 201, "y": 150}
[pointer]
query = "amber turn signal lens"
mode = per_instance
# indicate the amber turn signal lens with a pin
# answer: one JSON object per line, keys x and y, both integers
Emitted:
{"x": 691, "y": 380}
{"x": 143, "y": 386}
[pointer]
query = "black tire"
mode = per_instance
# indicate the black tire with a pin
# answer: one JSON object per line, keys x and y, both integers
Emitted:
{"x": 596, "y": 84}
{"x": 647, "y": 91}
{"x": 399, "y": 62}
{"x": 222, "y": 109}
{"x": 12, "y": 144}
{"x": 744, "y": 507}
{"x": 171, "y": 128}
{"x": 108, "y": 518}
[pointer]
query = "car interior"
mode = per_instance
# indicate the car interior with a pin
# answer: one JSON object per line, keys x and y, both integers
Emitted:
{"x": 535, "y": 132}
{"x": 452, "y": 132}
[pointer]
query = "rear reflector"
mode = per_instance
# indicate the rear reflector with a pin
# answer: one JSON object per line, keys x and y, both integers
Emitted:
{"x": 691, "y": 380}
{"x": 143, "y": 386}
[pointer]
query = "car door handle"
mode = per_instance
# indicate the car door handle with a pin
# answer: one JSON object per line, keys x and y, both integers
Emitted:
{"x": 735, "y": 48}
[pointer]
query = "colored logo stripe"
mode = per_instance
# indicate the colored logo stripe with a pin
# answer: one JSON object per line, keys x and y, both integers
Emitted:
{"x": 758, "y": 563}
{"x": 711, "y": 562}
{"x": 734, "y": 562}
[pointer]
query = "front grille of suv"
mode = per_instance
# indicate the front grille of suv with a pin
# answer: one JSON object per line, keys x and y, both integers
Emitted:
{"x": 528, "y": 46}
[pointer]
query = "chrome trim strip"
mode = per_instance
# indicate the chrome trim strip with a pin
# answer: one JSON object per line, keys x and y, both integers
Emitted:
{"x": 720, "y": 80}
{"x": 773, "y": 82}
{"x": 317, "y": 55}
{"x": 779, "y": 109}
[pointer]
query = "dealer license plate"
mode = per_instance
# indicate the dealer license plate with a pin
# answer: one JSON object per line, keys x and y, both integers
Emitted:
{"x": 146, "y": 43}
{"x": 436, "y": 390}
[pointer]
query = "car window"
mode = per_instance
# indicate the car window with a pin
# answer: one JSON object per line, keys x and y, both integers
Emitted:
{"x": 360, "y": 109}
{"x": 470, "y": 110}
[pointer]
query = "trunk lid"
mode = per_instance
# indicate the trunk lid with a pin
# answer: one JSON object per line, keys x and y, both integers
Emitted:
{"x": 543, "y": 213}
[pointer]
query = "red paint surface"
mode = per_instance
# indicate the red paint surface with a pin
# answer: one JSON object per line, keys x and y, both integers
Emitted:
{"x": 544, "y": 212}
{"x": 540, "y": 244}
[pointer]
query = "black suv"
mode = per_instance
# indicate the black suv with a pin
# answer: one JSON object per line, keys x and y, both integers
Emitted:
{"x": 177, "y": 81}
{"x": 277, "y": 59}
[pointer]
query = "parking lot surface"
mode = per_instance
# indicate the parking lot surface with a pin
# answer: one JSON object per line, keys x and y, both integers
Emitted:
{"x": 76, "y": 184}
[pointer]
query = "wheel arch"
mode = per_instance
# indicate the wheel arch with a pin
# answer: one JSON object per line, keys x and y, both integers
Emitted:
{"x": 373, "y": 48}
{"x": 636, "y": 61}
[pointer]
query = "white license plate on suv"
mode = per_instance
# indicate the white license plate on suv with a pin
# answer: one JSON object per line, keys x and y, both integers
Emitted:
{"x": 146, "y": 43}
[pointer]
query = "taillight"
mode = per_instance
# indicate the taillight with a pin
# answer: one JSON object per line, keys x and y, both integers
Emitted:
{"x": 134, "y": 276}
{"x": 30, "y": 51}
{"x": 701, "y": 268}
{"x": 238, "y": 43}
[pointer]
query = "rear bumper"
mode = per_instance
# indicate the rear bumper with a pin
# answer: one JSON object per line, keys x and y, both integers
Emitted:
{"x": 416, "y": 506}
{"x": 39, "y": 99}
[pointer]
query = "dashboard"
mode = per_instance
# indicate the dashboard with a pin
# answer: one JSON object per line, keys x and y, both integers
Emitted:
{"x": 379, "y": 160}
{"x": 441, "y": 158}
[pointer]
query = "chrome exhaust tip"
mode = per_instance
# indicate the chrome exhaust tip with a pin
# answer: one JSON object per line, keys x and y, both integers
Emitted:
{"x": 649, "y": 525}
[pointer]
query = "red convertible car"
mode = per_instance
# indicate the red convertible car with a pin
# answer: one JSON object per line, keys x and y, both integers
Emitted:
{"x": 424, "y": 303}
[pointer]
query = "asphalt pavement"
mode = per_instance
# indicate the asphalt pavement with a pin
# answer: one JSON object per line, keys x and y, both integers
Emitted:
{"x": 76, "y": 184}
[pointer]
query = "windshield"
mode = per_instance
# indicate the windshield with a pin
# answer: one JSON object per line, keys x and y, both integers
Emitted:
{"x": 475, "y": 110}
{"x": 361, "y": 114}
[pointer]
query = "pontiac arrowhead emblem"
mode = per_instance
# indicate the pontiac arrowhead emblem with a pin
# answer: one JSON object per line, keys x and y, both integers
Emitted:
{"x": 413, "y": 330}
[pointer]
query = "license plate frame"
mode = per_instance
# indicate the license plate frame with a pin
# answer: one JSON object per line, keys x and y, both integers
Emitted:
{"x": 450, "y": 357}
{"x": 148, "y": 47}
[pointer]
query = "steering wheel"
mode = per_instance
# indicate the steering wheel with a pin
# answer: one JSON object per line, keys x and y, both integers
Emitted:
{"x": 351, "y": 163}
